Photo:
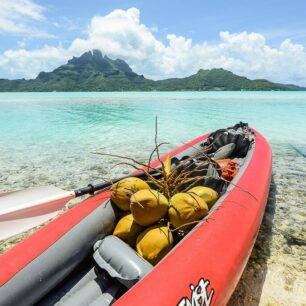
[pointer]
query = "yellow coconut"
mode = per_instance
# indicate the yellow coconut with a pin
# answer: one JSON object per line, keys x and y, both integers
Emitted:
{"x": 154, "y": 243}
{"x": 128, "y": 230}
{"x": 186, "y": 208}
{"x": 121, "y": 191}
{"x": 209, "y": 195}
{"x": 148, "y": 206}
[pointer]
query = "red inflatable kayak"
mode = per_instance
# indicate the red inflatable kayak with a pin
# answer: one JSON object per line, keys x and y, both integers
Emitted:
{"x": 54, "y": 266}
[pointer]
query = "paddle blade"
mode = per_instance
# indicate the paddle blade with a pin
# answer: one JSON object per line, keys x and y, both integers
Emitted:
{"x": 24, "y": 209}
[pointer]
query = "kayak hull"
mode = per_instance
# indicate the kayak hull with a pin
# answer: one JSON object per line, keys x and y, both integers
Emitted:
{"x": 205, "y": 266}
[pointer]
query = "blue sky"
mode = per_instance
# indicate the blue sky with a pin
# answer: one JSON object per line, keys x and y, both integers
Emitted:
{"x": 262, "y": 36}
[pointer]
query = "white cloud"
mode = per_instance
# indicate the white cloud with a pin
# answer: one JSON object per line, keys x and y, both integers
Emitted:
{"x": 23, "y": 63}
{"x": 16, "y": 17}
{"x": 120, "y": 34}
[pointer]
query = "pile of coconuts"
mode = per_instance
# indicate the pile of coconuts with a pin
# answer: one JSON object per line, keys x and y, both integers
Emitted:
{"x": 151, "y": 217}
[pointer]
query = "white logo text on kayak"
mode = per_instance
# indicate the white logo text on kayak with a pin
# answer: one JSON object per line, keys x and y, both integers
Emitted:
{"x": 200, "y": 295}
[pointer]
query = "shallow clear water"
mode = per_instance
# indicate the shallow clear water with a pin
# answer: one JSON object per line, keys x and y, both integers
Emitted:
{"x": 47, "y": 138}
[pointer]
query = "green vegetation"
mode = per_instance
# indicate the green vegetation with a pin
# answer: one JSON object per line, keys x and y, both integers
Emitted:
{"x": 94, "y": 72}
{"x": 220, "y": 79}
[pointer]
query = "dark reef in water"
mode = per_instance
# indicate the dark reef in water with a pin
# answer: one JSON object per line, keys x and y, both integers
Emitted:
{"x": 299, "y": 151}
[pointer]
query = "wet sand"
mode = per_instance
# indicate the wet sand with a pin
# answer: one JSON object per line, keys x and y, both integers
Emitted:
{"x": 276, "y": 271}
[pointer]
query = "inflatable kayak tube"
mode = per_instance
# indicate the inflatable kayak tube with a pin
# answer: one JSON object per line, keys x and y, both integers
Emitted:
{"x": 75, "y": 259}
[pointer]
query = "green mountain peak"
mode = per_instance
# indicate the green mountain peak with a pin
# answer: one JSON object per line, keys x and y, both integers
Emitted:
{"x": 94, "y": 72}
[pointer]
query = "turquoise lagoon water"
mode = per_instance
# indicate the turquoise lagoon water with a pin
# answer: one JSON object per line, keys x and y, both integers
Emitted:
{"x": 47, "y": 138}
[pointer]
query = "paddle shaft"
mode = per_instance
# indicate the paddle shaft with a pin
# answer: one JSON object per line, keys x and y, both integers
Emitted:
{"x": 91, "y": 189}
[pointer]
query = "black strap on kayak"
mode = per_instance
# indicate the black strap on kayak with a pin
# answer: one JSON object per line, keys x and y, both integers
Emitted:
{"x": 223, "y": 137}
{"x": 239, "y": 125}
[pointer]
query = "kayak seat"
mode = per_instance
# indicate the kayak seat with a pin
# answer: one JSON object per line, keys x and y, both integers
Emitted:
{"x": 94, "y": 292}
{"x": 84, "y": 287}
{"x": 224, "y": 151}
{"x": 120, "y": 261}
